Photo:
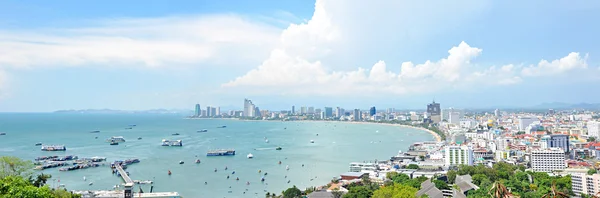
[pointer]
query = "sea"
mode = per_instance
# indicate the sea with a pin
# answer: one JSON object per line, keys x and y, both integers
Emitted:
{"x": 336, "y": 144}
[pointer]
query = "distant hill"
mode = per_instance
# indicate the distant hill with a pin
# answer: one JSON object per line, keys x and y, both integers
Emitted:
{"x": 560, "y": 105}
{"x": 112, "y": 111}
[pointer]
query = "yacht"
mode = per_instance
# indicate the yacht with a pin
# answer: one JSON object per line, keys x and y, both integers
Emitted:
{"x": 250, "y": 156}
{"x": 116, "y": 139}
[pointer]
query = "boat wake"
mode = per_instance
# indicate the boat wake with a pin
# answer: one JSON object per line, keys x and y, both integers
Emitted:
{"x": 262, "y": 149}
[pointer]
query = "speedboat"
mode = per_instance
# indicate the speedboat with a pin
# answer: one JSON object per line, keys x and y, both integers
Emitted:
{"x": 94, "y": 131}
{"x": 91, "y": 183}
{"x": 222, "y": 126}
{"x": 38, "y": 144}
{"x": 267, "y": 141}
{"x": 203, "y": 130}
{"x": 312, "y": 141}
{"x": 278, "y": 148}
{"x": 175, "y": 134}
{"x": 2, "y": 133}
{"x": 287, "y": 167}
{"x": 139, "y": 138}
{"x": 197, "y": 161}
{"x": 180, "y": 162}
{"x": 129, "y": 128}
{"x": 250, "y": 156}
{"x": 114, "y": 143}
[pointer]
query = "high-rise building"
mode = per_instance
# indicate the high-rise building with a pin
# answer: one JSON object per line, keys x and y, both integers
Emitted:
{"x": 434, "y": 111}
{"x": 391, "y": 110}
{"x": 454, "y": 118}
{"x": 497, "y": 113}
{"x": 328, "y": 112}
{"x": 213, "y": 112}
{"x": 303, "y": 110}
{"x": 524, "y": 122}
{"x": 582, "y": 183}
{"x": 559, "y": 141}
{"x": 357, "y": 115}
{"x": 208, "y": 111}
{"x": 372, "y": 111}
{"x": 311, "y": 110}
{"x": 593, "y": 129}
{"x": 197, "y": 111}
{"x": 293, "y": 110}
{"x": 249, "y": 108}
{"x": 548, "y": 160}
{"x": 203, "y": 114}
{"x": 256, "y": 112}
{"x": 218, "y": 112}
{"x": 323, "y": 115}
{"x": 456, "y": 155}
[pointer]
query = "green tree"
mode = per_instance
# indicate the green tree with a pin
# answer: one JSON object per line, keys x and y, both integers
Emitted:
{"x": 391, "y": 175}
{"x": 592, "y": 171}
{"x": 337, "y": 193}
{"x": 451, "y": 176}
{"x": 591, "y": 139}
{"x": 40, "y": 180}
{"x": 395, "y": 191}
{"x": 401, "y": 178}
{"x": 292, "y": 192}
{"x": 412, "y": 166}
{"x": 358, "y": 192}
{"x": 555, "y": 193}
{"x": 15, "y": 186}
{"x": 14, "y": 166}
{"x": 440, "y": 184}
{"x": 498, "y": 190}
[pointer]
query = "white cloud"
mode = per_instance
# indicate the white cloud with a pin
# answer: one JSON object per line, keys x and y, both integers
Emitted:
{"x": 544, "y": 68}
{"x": 297, "y": 66}
{"x": 157, "y": 42}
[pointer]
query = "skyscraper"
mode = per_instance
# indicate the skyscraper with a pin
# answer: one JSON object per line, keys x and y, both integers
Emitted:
{"x": 372, "y": 111}
{"x": 311, "y": 110}
{"x": 328, "y": 112}
{"x": 218, "y": 113}
{"x": 249, "y": 108}
{"x": 434, "y": 111}
{"x": 197, "y": 111}
{"x": 293, "y": 110}
{"x": 208, "y": 111}
{"x": 213, "y": 112}
{"x": 357, "y": 115}
{"x": 303, "y": 110}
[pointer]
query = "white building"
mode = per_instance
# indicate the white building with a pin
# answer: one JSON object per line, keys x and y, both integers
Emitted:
{"x": 547, "y": 160}
{"x": 524, "y": 122}
{"x": 582, "y": 183}
{"x": 468, "y": 124}
{"x": 454, "y": 117}
{"x": 456, "y": 155}
{"x": 593, "y": 129}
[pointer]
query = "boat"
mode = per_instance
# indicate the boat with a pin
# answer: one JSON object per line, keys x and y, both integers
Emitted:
{"x": 91, "y": 183}
{"x": 317, "y": 134}
{"x": 84, "y": 179}
{"x": 222, "y": 126}
{"x": 175, "y": 134}
{"x": 312, "y": 141}
{"x": 220, "y": 152}
{"x": 169, "y": 172}
{"x": 250, "y": 156}
{"x": 278, "y": 148}
{"x": 287, "y": 167}
{"x": 279, "y": 162}
{"x": 94, "y": 131}
{"x": 262, "y": 179}
{"x": 267, "y": 141}
{"x": 114, "y": 143}
{"x": 139, "y": 138}
{"x": 3, "y": 133}
{"x": 38, "y": 144}
{"x": 116, "y": 139}
{"x": 172, "y": 143}
{"x": 181, "y": 162}
{"x": 132, "y": 125}
{"x": 197, "y": 161}
{"x": 128, "y": 128}
{"x": 203, "y": 130}
{"x": 54, "y": 148}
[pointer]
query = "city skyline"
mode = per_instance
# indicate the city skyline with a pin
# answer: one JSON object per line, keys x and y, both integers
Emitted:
{"x": 470, "y": 54}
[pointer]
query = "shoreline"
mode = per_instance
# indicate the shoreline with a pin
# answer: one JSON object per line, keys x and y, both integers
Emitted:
{"x": 436, "y": 136}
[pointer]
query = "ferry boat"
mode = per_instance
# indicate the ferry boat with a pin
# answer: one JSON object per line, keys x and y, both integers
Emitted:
{"x": 172, "y": 143}
{"x": 203, "y": 130}
{"x": 220, "y": 152}
{"x": 54, "y": 148}
{"x": 116, "y": 139}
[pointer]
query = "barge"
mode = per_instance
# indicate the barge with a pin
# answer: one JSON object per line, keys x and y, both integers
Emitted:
{"x": 220, "y": 152}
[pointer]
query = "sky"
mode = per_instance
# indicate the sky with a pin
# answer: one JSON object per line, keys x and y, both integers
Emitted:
{"x": 136, "y": 55}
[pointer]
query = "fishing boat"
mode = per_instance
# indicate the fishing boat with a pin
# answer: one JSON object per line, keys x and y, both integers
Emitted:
{"x": 2, "y": 133}
{"x": 38, "y": 144}
{"x": 94, "y": 131}
{"x": 222, "y": 126}
{"x": 203, "y": 130}
{"x": 91, "y": 183}
{"x": 175, "y": 134}
{"x": 181, "y": 162}
{"x": 278, "y": 148}
{"x": 312, "y": 141}
{"x": 197, "y": 161}
{"x": 114, "y": 143}
{"x": 139, "y": 138}
{"x": 54, "y": 148}
{"x": 116, "y": 139}
{"x": 169, "y": 172}
{"x": 172, "y": 143}
{"x": 250, "y": 156}
{"x": 220, "y": 152}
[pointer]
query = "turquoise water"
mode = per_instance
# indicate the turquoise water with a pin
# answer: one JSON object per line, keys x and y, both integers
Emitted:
{"x": 335, "y": 147}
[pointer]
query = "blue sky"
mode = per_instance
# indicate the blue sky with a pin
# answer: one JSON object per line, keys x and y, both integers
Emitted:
{"x": 138, "y": 55}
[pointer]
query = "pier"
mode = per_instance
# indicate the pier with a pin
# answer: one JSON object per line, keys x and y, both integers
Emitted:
{"x": 123, "y": 174}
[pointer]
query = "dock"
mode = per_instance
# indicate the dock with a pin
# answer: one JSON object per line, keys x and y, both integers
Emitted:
{"x": 123, "y": 174}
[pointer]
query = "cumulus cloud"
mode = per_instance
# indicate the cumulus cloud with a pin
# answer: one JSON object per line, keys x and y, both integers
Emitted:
{"x": 297, "y": 65}
{"x": 570, "y": 62}
{"x": 155, "y": 42}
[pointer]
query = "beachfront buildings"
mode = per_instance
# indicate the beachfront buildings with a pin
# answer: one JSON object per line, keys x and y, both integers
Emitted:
{"x": 249, "y": 108}
{"x": 548, "y": 160}
{"x": 456, "y": 155}
{"x": 197, "y": 111}
{"x": 357, "y": 115}
{"x": 434, "y": 112}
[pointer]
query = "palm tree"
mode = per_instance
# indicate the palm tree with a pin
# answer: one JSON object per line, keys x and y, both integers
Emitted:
{"x": 498, "y": 190}
{"x": 555, "y": 193}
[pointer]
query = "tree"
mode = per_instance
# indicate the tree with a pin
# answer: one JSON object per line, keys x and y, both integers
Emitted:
{"x": 400, "y": 178}
{"x": 358, "y": 192}
{"x": 14, "y": 166}
{"x": 337, "y": 193}
{"x": 40, "y": 180}
{"x": 422, "y": 158}
{"x": 292, "y": 192}
{"x": 592, "y": 171}
{"x": 451, "y": 176}
{"x": 395, "y": 191}
{"x": 412, "y": 166}
{"x": 591, "y": 139}
{"x": 15, "y": 186}
{"x": 440, "y": 184}
{"x": 498, "y": 190}
{"x": 555, "y": 193}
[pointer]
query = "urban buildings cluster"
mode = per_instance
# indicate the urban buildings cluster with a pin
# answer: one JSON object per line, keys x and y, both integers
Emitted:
{"x": 552, "y": 141}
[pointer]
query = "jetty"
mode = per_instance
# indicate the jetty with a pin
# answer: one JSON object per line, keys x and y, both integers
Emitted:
{"x": 124, "y": 175}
